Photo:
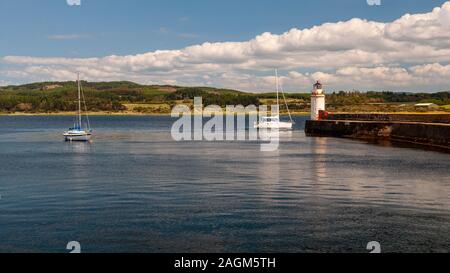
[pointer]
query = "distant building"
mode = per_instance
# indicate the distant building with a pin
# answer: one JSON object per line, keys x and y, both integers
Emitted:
{"x": 50, "y": 87}
{"x": 426, "y": 105}
{"x": 317, "y": 101}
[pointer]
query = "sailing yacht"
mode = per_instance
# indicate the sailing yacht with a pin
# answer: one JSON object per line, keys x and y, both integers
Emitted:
{"x": 77, "y": 133}
{"x": 273, "y": 122}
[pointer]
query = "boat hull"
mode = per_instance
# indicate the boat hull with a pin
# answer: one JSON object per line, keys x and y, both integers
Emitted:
{"x": 273, "y": 125}
{"x": 79, "y": 137}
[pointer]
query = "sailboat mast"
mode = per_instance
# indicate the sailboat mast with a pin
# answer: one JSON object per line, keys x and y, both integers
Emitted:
{"x": 79, "y": 101}
{"x": 278, "y": 91}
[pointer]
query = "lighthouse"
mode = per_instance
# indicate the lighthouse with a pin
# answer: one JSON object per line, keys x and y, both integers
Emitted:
{"x": 317, "y": 100}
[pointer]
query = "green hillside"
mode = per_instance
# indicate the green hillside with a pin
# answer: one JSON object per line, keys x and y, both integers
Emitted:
{"x": 128, "y": 97}
{"x": 108, "y": 96}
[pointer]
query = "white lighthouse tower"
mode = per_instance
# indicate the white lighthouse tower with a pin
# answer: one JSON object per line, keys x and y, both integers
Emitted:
{"x": 317, "y": 101}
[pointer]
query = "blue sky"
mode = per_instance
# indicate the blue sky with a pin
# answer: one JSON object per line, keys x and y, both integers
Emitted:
{"x": 105, "y": 27}
{"x": 99, "y": 28}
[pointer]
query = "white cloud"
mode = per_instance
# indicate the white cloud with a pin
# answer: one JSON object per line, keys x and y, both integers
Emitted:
{"x": 184, "y": 19}
{"x": 163, "y": 30}
{"x": 406, "y": 53}
{"x": 73, "y": 2}
{"x": 68, "y": 36}
{"x": 188, "y": 35}
{"x": 4, "y": 83}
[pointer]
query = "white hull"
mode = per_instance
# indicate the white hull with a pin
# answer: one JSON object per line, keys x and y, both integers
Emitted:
{"x": 77, "y": 137}
{"x": 273, "y": 125}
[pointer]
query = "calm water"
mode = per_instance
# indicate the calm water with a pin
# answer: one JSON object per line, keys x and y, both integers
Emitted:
{"x": 135, "y": 190}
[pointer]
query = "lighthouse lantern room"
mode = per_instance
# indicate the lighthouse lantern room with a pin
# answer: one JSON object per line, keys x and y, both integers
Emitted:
{"x": 317, "y": 101}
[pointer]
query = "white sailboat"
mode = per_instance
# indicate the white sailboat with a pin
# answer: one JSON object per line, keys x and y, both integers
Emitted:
{"x": 77, "y": 133}
{"x": 273, "y": 122}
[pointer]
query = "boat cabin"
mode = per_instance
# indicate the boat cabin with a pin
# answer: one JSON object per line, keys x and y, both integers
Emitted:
{"x": 271, "y": 119}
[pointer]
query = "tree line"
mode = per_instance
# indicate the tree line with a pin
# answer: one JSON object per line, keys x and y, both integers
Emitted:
{"x": 112, "y": 96}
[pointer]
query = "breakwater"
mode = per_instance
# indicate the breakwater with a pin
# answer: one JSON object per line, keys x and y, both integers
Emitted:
{"x": 396, "y": 128}
{"x": 426, "y": 118}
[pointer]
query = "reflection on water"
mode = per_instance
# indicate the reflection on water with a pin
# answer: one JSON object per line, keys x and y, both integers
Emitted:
{"x": 78, "y": 147}
{"x": 135, "y": 190}
{"x": 319, "y": 150}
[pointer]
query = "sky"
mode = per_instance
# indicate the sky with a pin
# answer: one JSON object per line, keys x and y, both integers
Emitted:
{"x": 399, "y": 45}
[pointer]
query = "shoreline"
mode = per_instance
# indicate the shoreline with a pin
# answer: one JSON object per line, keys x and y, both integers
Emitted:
{"x": 169, "y": 114}
{"x": 64, "y": 114}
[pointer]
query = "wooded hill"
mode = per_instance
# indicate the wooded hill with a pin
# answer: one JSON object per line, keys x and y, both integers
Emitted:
{"x": 46, "y": 97}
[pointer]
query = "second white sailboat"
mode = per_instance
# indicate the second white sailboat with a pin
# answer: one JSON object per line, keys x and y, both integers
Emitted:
{"x": 273, "y": 122}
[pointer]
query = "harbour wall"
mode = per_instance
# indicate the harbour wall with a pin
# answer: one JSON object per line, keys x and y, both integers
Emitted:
{"x": 424, "y": 134}
{"x": 426, "y": 118}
